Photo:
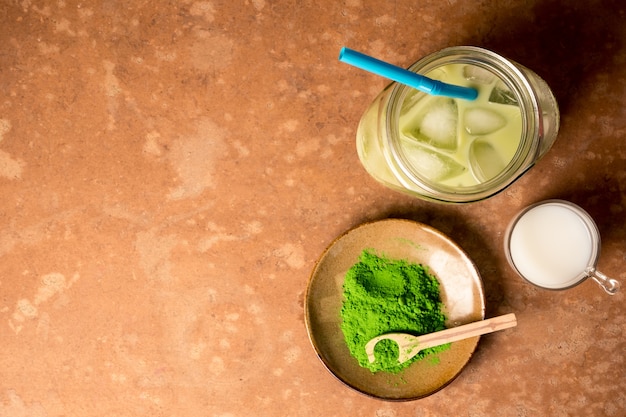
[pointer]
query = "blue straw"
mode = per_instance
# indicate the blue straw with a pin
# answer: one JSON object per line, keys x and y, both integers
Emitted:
{"x": 419, "y": 82}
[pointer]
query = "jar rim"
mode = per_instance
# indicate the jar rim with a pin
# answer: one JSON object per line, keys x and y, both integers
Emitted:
{"x": 527, "y": 149}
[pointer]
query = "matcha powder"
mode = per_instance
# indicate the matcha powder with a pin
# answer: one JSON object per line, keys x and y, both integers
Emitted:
{"x": 382, "y": 296}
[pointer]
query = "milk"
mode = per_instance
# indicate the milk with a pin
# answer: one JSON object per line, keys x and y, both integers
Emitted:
{"x": 551, "y": 245}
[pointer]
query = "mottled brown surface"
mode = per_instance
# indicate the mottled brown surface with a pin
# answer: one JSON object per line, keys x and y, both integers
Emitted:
{"x": 171, "y": 170}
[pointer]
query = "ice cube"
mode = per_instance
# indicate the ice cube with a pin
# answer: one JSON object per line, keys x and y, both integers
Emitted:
{"x": 479, "y": 121}
{"x": 432, "y": 165}
{"x": 478, "y": 74}
{"x": 438, "y": 125}
{"x": 502, "y": 94}
{"x": 485, "y": 161}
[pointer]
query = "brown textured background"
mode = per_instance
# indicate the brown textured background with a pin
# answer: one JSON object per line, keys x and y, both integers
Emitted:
{"x": 170, "y": 171}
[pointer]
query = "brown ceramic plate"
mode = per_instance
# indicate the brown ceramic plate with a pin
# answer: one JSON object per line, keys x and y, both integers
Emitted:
{"x": 461, "y": 292}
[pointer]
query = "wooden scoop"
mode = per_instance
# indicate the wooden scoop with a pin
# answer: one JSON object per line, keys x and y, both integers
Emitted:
{"x": 410, "y": 345}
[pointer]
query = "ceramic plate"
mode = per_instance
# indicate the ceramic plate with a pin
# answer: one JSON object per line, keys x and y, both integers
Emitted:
{"x": 461, "y": 293}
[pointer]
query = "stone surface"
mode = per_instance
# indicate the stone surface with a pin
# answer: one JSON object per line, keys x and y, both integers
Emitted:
{"x": 171, "y": 171}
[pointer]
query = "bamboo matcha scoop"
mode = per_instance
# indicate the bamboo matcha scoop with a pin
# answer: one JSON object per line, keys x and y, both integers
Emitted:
{"x": 410, "y": 345}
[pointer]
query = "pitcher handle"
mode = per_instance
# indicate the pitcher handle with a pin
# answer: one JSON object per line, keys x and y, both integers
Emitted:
{"x": 610, "y": 285}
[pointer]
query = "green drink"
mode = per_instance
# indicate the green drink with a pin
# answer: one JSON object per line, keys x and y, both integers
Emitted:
{"x": 457, "y": 142}
{"x": 455, "y": 150}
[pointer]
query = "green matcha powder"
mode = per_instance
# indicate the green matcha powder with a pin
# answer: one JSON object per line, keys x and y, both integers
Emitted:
{"x": 382, "y": 296}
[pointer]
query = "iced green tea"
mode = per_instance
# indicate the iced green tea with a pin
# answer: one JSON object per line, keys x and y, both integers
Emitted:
{"x": 456, "y": 150}
{"x": 457, "y": 142}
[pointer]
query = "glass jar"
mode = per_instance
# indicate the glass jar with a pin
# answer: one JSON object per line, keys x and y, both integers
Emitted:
{"x": 410, "y": 163}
